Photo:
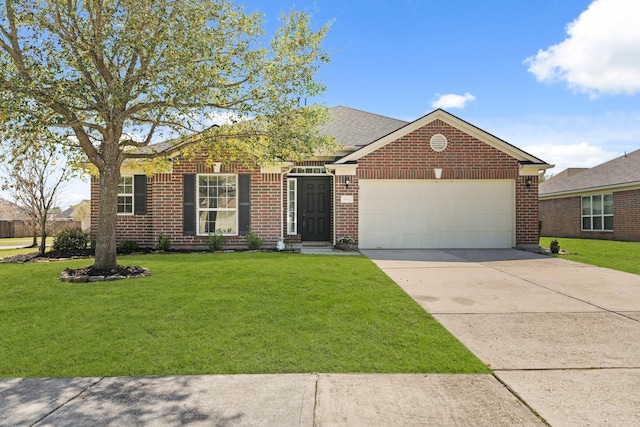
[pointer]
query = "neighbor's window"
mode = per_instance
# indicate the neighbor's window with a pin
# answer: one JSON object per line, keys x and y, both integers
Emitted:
{"x": 597, "y": 213}
{"x": 125, "y": 195}
{"x": 217, "y": 204}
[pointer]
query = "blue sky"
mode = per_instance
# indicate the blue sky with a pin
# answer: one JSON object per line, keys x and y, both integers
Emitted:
{"x": 405, "y": 58}
{"x": 557, "y": 78}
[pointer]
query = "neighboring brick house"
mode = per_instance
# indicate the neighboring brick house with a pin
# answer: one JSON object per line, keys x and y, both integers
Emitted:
{"x": 598, "y": 203}
{"x": 437, "y": 182}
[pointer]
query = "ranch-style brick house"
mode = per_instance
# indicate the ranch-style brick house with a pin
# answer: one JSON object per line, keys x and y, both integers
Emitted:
{"x": 437, "y": 182}
{"x": 602, "y": 202}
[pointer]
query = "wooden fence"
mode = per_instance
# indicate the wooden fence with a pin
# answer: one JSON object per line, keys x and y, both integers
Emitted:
{"x": 13, "y": 229}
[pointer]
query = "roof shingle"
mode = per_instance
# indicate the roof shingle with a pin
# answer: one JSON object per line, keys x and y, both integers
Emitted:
{"x": 621, "y": 171}
{"x": 353, "y": 128}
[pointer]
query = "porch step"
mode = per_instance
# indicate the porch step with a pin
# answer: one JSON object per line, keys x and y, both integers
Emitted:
{"x": 323, "y": 248}
{"x": 317, "y": 245}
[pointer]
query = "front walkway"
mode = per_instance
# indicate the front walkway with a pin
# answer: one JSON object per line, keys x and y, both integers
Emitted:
{"x": 563, "y": 336}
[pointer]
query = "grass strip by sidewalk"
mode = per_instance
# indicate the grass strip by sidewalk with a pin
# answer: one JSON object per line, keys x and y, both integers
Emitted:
{"x": 622, "y": 256}
{"x": 220, "y": 314}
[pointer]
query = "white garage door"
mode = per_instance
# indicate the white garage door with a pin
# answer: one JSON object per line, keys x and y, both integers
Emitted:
{"x": 408, "y": 214}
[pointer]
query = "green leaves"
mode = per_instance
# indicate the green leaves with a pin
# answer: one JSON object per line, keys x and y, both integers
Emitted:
{"x": 139, "y": 67}
{"x": 123, "y": 74}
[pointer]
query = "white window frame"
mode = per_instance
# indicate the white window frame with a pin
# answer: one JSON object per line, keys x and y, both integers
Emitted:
{"x": 590, "y": 215}
{"x": 127, "y": 195}
{"x": 200, "y": 209}
{"x": 308, "y": 170}
{"x": 292, "y": 206}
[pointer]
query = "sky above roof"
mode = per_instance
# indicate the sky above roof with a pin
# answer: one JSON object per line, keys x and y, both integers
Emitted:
{"x": 559, "y": 79}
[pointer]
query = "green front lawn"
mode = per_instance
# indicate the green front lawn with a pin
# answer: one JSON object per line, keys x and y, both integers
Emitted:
{"x": 11, "y": 252}
{"x": 623, "y": 256}
{"x": 20, "y": 241}
{"x": 220, "y": 313}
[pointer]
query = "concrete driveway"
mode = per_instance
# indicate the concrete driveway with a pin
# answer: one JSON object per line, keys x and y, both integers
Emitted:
{"x": 563, "y": 336}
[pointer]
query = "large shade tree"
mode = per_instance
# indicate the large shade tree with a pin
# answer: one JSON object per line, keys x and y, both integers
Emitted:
{"x": 34, "y": 177}
{"x": 123, "y": 74}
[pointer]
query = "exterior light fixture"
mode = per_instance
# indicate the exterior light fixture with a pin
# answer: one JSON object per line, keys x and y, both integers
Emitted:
{"x": 528, "y": 182}
{"x": 347, "y": 182}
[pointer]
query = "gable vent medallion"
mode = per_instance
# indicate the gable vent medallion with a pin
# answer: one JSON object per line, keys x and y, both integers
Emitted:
{"x": 438, "y": 142}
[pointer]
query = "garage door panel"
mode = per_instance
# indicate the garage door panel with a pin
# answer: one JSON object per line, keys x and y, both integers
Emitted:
{"x": 436, "y": 214}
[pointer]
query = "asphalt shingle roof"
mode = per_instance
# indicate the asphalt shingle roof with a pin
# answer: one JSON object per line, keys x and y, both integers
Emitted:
{"x": 353, "y": 128}
{"x": 350, "y": 128}
{"x": 623, "y": 170}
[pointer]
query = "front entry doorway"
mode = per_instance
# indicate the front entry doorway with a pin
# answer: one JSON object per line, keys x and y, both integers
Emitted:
{"x": 314, "y": 208}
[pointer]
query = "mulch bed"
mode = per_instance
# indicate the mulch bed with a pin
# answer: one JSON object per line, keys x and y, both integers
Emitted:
{"x": 49, "y": 256}
{"x": 91, "y": 274}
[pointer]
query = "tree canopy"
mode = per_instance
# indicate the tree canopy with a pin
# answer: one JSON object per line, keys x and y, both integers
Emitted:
{"x": 119, "y": 75}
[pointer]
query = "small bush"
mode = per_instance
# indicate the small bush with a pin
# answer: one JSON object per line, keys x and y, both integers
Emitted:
{"x": 128, "y": 246}
{"x": 70, "y": 239}
{"x": 254, "y": 241}
{"x": 346, "y": 240}
{"x": 164, "y": 242}
{"x": 216, "y": 240}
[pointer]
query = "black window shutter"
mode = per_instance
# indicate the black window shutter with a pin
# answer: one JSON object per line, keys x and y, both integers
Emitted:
{"x": 244, "y": 203}
{"x": 140, "y": 194}
{"x": 189, "y": 204}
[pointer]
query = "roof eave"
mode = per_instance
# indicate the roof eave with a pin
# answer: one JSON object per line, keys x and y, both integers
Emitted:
{"x": 576, "y": 192}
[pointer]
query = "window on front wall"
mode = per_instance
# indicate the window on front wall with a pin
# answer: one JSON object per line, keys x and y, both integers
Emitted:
{"x": 597, "y": 212}
{"x": 217, "y": 204}
{"x": 292, "y": 227}
{"x": 125, "y": 195}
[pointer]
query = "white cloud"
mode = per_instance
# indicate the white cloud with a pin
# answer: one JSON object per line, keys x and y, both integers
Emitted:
{"x": 564, "y": 156}
{"x": 601, "y": 54}
{"x": 452, "y": 100}
{"x": 571, "y": 141}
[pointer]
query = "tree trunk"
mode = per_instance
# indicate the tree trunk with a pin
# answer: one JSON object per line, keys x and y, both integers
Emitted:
{"x": 106, "y": 257}
{"x": 34, "y": 244}
{"x": 43, "y": 242}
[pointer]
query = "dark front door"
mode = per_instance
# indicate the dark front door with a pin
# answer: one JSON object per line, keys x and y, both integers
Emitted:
{"x": 314, "y": 208}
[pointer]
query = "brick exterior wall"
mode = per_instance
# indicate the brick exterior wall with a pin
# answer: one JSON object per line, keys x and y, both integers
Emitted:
{"x": 465, "y": 157}
{"x": 562, "y": 217}
{"x": 410, "y": 157}
{"x": 165, "y": 205}
{"x": 346, "y": 214}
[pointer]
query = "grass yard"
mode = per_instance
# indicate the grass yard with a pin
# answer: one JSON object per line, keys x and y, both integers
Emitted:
{"x": 220, "y": 313}
{"x": 11, "y": 252}
{"x": 623, "y": 256}
{"x": 20, "y": 241}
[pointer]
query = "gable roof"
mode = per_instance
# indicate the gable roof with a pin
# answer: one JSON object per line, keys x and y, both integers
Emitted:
{"x": 354, "y": 129}
{"x": 623, "y": 171}
{"x": 448, "y": 118}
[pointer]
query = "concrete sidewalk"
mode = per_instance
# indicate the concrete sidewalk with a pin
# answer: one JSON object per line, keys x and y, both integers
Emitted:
{"x": 263, "y": 400}
{"x": 564, "y": 336}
